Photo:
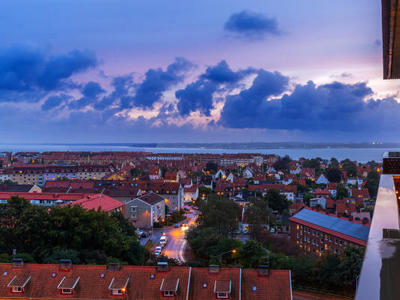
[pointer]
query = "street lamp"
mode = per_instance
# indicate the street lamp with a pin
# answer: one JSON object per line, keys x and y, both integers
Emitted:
{"x": 220, "y": 256}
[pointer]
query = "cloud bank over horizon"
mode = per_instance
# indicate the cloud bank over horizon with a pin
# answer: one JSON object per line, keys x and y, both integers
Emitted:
{"x": 180, "y": 101}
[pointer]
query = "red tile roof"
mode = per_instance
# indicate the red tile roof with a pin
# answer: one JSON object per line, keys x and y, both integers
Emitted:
{"x": 274, "y": 287}
{"x": 98, "y": 200}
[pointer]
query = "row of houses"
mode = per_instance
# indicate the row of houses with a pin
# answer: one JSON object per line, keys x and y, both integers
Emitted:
{"x": 67, "y": 281}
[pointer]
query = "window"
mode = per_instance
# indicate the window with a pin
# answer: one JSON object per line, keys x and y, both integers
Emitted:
{"x": 169, "y": 293}
{"x": 313, "y": 232}
{"x": 321, "y": 240}
{"x": 336, "y": 241}
{"x": 317, "y": 243}
{"x": 16, "y": 289}
{"x": 308, "y": 240}
{"x": 317, "y": 233}
{"x": 305, "y": 229}
{"x": 330, "y": 239}
{"x": 117, "y": 292}
{"x": 134, "y": 212}
{"x": 313, "y": 242}
{"x": 335, "y": 251}
{"x": 222, "y": 295}
{"x": 326, "y": 237}
{"x": 66, "y": 291}
{"x": 340, "y": 242}
{"x": 298, "y": 226}
{"x": 308, "y": 230}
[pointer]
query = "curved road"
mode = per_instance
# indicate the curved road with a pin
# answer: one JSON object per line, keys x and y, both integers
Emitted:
{"x": 176, "y": 245}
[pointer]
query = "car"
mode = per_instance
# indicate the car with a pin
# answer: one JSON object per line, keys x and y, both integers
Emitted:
{"x": 272, "y": 230}
{"x": 279, "y": 230}
{"x": 177, "y": 225}
{"x": 186, "y": 208}
{"x": 158, "y": 250}
{"x": 163, "y": 240}
{"x": 144, "y": 234}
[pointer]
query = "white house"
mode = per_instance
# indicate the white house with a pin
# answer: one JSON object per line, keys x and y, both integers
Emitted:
{"x": 220, "y": 174}
{"x": 230, "y": 177}
{"x": 333, "y": 192}
{"x": 191, "y": 193}
{"x": 355, "y": 181}
{"x": 248, "y": 173}
{"x": 322, "y": 179}
{"x": 295, "y": 170}
{"x": 315, "y": 201}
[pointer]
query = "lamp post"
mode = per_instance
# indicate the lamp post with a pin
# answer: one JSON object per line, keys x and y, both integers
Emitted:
{"x": 220, "y": 256}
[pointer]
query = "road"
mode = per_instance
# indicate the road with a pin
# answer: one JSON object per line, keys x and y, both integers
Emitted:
{"x": 176, "y": 245}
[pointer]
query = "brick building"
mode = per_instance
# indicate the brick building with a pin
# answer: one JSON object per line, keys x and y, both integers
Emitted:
{"x": 316, "y": 232}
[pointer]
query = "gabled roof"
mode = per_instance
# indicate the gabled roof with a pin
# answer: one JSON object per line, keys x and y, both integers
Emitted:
{"x": 99, "y": 200}
{"x": 276, "y": 286}
{"x": 151, "y": 198}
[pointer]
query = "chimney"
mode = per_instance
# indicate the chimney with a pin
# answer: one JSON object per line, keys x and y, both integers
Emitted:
{"x": 113, "y": 267}
{"x": 17, "y": 263}
{"x": 65, "y": 265}
{"x": 263, "y": 270}
{"x": 213, "y": 269}
{"x": 162, "y": 267}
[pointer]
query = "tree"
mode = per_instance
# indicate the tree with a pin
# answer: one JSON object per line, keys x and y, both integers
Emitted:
{"x": 341, "y": 191}
{"x": 350, "y": 167}
{"x": 306, "y": 198}
{"x": 164, "y": 170}
{"x": 300, "y": 188}
{"x": 282, "y": 164}
{"x": 313, "y": 163}
{"x": 211, "y": 167}
{"x": 250, "y": 254}
{"x": 276, "y": 201}
{"x": 372, "y": 183}
{"x": 220, "y": 213}
{"x": 334, "y": 175}
{"x": 333, "y": 163}
{"x": 258, "y": 214}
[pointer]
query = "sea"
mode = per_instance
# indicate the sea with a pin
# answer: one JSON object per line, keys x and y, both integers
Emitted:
{"x": 362, "y": 155}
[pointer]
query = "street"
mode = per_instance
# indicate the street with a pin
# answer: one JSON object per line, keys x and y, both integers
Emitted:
{"x": 176, "y": 245}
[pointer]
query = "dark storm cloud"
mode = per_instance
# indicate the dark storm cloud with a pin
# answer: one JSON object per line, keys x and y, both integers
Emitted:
{"x": 197, "y": 96}
{"x": 55, "y": 101}
{"x": 221, "y": 73}
{"x": 90, "y": 93}
{"x": 156, "y": 82}
{"x": 335, "y": 106}
{"x": 25, "y": 67}
{"x": 251, "y": 25}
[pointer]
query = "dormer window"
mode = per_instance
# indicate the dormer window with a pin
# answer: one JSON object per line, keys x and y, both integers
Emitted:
{"x": 18, "y": 283}
{"x": 222, "y": 288}
{"x": 169, "y": 287}
{"x": 118, "y": 286}
{"x": 67, "y": 285}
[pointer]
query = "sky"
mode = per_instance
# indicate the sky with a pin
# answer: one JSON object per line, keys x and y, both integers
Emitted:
{"x": 194, "y": 71}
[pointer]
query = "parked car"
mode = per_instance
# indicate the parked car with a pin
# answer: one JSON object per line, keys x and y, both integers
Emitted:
{"x": 177, "y": 225}
{"x": 272, "y": 230}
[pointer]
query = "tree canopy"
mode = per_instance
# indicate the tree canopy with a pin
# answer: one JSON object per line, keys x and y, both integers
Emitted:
{"x": 86, "y": 236}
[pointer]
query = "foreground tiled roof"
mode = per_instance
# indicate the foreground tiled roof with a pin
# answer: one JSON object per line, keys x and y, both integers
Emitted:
{"x": 44, "y": 281}
{"x": 98, "y": 200}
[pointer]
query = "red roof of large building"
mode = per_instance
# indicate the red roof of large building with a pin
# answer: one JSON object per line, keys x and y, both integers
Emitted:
{"x": 97, "y": 201}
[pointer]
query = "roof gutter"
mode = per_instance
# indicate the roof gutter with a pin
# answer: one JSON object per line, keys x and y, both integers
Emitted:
{"x": 188, "y": 287}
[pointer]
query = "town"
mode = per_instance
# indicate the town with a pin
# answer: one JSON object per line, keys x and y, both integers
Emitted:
{"x": 250, "y": 211}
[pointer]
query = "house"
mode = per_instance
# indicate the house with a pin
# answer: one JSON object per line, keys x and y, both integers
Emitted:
{"x": 295, "y": 170}
{"x": 100, "y": 201}
{"x": 364, "y": 170}
{"x": 230, "y": 177}
{"x": 186, "y": 182}
{"x": 316, "y": 232}
{"x": 114, "y": 281}
{"x": 191, "y": 193}
{"x": 271, "y": 170}
{"x": 360, "y": 194}
{"x": 332, "y": 188}
{"x": 345, "y": 208}
{"x": 258, "y": 177}
{"x": 171, "y": 177}
{"x": 24, "y": 188}
{"x": 248, "y": 173}
{"x": 355, "y": 181}
{"x": 322, "y": 179}
{"x": 319, "y": 193}
{"x": 224, "y": 188}
{"x": 154, "y": 173}
{"x": 295, "y": 206}
{"x": 207, "y": 181}
{"x": 318, "y": 201}
{"x": 308, "y": 173}
{"x": 220, "y": 174}
{"x": 145, "y": 210}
